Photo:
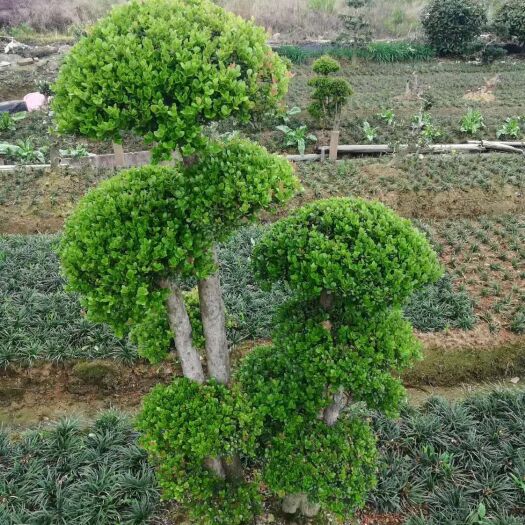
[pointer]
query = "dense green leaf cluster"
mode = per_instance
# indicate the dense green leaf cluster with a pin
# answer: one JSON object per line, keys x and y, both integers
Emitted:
{"x": 509, "y": 21}
{"x": 333, "y": 465}
{"x": 325, "y": 65}
{"x": 352, "y": 264}
{"x": 355, "y": 249}
{"x": 70, "y": 474}
{"x": 151, "y": 223}
{"x": 330, "y": 93}
{"x": 184, "y": 425}
{"x": 451, "y": 26}
{"x": 164, "y": 69}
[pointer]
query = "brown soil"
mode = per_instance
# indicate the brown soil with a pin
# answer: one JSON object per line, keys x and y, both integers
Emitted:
{"x": 39, "y": 200}
{"x": 455, "y": 203}
{"x": 48, "y": 391}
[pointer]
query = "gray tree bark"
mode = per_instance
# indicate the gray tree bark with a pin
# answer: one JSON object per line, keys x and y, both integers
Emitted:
{"x": 332, "y": 412}
{"x": 214, "y": 327}
{"x": 181, "y": 327}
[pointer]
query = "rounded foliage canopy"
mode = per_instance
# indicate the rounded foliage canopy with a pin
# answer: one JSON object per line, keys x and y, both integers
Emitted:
{"x": 509, "y": 21}
{"x": 452, "y": 25}
{"x": 325, "y": 65}
{"x": 350, "y": 247}
{"x": 164, "y": 69}
{"x": 154, "y": 222}
{"x": 186, "y": 423}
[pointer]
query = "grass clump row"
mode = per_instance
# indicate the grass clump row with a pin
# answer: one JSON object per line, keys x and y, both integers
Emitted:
{"x": 41, "y": 321}
{"x": 67, "y": 474}
{"x": 455, "y": 463}
{"x": 382, "y": 52}
{"x": 446, "y": 462}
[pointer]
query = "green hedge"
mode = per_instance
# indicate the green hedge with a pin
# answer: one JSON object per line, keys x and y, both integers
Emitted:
{"x": 374, "y": 52}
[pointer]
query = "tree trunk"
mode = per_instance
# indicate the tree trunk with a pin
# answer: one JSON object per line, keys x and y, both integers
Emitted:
{"x": 216, "y": 466}
{"x": 214, "y": 327}
{"x": 181, "y": 327}
{"x": 331, "y": 413}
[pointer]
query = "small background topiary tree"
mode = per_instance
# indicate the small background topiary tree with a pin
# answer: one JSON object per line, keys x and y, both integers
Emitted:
{"x": 330, "y": 93}
{"x": 452, "y": 26}
{"x": 509, "y": 21}
{"x": 351, "y": 264}
{"x": 165, "y": 69}
{"x": 329, "y": 96}
{"x": 357, "y": 31}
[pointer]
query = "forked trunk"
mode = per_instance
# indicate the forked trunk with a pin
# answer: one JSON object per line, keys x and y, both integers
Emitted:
{"x": 181, "y": 327}
{"x": 214, "y": 327}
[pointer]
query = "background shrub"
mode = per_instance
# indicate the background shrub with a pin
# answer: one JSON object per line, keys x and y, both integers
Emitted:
{"x": 451, "y": 26}
{"x": 509, "y": 21}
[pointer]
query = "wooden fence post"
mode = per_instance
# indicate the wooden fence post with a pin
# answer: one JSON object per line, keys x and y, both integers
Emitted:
{"x": 118, "y": 150}
{"x": 334, "y": 144}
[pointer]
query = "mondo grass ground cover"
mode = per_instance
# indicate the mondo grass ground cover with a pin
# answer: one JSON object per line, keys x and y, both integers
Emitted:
{"x": 454, "y": 463}
{"x": 372, "y": 178}
{"x": 75, "y": 475}
{"x": 487, "y": 256}
{"x": 38, "y": 201}
{"x": 39, "y": 320}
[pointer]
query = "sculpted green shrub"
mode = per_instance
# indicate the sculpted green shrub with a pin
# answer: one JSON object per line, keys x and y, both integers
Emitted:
{"x": 352, "y": 265}
{"x": 164, "y": 69}
{"x": 330, "y": 93}
{"x": 325, "y": 65}
{"x": 147, "y": 223}
{"x": 184, "y": 425}
{"x": 353, "y": 248}
{"x": 451, "y": 26}
{"x": 509, "y": 21}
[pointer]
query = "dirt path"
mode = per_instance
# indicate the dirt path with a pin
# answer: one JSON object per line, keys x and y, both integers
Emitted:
{"x": 44, "y": 393}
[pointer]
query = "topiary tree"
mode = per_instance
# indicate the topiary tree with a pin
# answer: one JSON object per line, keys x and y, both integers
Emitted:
{"x": 451, "y": 26}
{"x": 509, "y": 21}
{"x": 351, "y": 264}
{"x": 165, "y": 69}
{"x": 356, "y": 28}
{"x": 330, "y": 93}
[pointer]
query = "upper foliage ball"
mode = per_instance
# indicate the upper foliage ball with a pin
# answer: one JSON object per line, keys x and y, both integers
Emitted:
{"x": 154, "y": 222}
{"x": 509, "y": 21}
{"x": 164, "y": 69}
{"x": 325, "y": 65}
{"x": 350, "y": 247}
{"x": 452, "y": 25}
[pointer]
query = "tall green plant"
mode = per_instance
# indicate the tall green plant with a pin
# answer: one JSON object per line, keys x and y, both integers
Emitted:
{"x": 351, "y": 264}
{"x": 165, "y": 69}
{"x": 509, "y": 21}
{"x": 451, "y": 26}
